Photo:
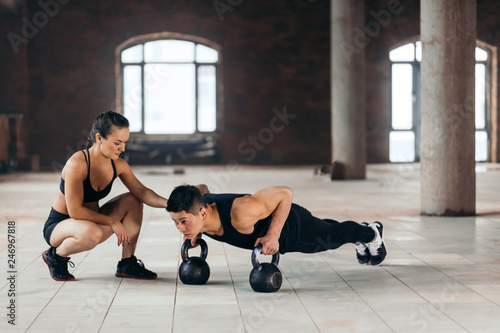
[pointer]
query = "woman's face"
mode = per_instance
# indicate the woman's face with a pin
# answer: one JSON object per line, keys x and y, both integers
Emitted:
{"x": 114, "y": 144}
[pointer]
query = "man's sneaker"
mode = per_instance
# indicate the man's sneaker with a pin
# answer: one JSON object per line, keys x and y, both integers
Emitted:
{"x": 133, "y": 268}
{"x": 376, "y": 247}
{"x": 362, "y": 252}
{"x": 58, "y": 266}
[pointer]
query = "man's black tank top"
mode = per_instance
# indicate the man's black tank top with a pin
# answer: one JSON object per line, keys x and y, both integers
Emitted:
{"x": 231, "y": 236}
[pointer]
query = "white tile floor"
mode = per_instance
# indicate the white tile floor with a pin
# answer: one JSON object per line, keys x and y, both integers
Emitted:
{"x": 441, "y": 274}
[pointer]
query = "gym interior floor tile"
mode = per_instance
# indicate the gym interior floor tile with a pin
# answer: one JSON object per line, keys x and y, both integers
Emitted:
{"x": 440, "y": 275}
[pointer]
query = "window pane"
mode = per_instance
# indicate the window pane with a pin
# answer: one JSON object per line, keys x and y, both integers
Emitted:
{"x": 132, "y": 92}
{"x": 169, "y": 99}
{"x": 133, "y": 54}
{"x": 206, "y": 99}
{"x": 206, "y": 54}
{"x": 403, "y": 53}
{"x": 402, "y": 96}
{"x": 402, "y": 146}
{"x": 418, "y": 50}
{"x": 169, "y": 51}
{"x": 481, "y": 146}
{"x": 480, "y": 96}
{"x": 481, "y": 55}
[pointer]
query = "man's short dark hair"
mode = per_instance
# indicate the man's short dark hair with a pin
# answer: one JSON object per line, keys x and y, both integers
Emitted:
{"x": 186, "y": 198}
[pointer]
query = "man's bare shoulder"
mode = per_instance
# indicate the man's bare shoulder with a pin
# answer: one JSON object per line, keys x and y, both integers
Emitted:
{"x": 242, "y": 204}
{"x": 245, "y": 212}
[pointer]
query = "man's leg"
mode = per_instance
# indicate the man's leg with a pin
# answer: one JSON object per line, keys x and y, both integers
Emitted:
{"x": 331, "y": 234}
{"x": 309, "y": 234}
{"x": 368, "y": 239}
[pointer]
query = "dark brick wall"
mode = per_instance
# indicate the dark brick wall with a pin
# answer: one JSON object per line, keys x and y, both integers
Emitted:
{"x": 13, "y": 69}
{"x": 274, "y": 54}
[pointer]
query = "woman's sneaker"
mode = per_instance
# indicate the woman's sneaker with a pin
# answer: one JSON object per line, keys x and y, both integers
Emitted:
{"x": 376, "y": 247}
{"x": 58, "y": 266}
{"x": 133, "y": 268}
{"x": 362, "y": 252}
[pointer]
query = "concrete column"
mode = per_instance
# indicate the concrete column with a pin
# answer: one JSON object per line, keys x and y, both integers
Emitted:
{"x": 447, "y": 149}
{"x": 348, "y": 88}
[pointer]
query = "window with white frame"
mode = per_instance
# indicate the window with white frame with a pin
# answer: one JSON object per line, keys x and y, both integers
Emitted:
{"x": 404, "y": 137}
{"x": 169, "y": 86}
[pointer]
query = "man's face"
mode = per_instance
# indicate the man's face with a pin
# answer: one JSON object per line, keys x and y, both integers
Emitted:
{"x": 188, "y": 224}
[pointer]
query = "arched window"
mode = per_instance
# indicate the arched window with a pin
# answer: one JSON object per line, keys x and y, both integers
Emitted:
{"x": 169, "y": 86}
{"x": 404, "y": 137}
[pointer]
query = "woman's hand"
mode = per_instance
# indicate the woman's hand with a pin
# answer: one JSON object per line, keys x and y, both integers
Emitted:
{"x": 120, "y": 232}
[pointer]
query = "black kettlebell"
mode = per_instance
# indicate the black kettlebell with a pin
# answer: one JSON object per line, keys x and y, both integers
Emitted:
{"x": 194, "y": 270}
{"x": 266, "y": 277}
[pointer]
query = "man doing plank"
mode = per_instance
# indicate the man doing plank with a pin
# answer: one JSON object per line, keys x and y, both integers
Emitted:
{"x": 268, "y": 217}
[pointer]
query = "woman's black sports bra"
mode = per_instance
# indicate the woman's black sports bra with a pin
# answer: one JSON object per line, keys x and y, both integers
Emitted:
{"x": 89, "y": 194}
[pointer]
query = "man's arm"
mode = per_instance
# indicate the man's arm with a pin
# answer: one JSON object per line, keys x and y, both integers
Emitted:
{"x": 247, "y": 210}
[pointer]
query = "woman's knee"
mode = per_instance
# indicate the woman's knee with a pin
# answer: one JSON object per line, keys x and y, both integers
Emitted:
{"x": 90, "y": 236}
{"x": 122, "y": 206}
{"x": 132, "y": 202}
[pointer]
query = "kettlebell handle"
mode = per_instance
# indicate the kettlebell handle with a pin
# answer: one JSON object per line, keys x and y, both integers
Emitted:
{"x": 255, "y": 257}
{"x": 187, "y": 244}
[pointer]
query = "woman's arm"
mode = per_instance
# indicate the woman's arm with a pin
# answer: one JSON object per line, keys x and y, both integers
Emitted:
{"x": 75, "y": 173}
{"x": 144, "y": 194}
{"x": 203, "y": 188}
